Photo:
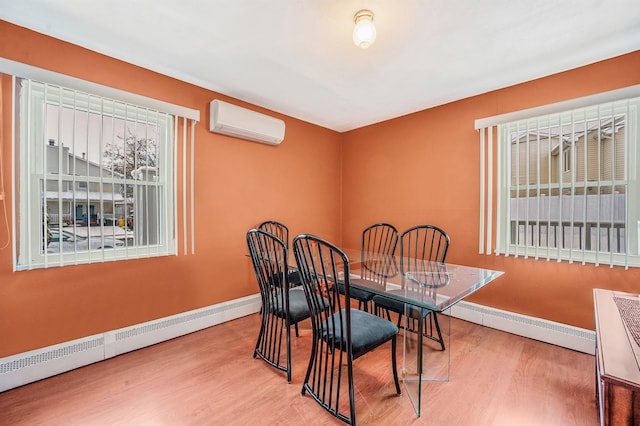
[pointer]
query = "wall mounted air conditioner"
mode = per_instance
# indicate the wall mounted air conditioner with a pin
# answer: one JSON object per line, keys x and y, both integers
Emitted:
{"x": 232, "y": 120}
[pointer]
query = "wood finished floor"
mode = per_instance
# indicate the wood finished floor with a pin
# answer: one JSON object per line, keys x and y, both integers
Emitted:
{"x": 210, "y": 378}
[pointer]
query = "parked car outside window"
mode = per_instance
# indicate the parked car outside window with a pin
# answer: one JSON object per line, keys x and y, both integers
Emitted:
{"x": 71, "y": 242}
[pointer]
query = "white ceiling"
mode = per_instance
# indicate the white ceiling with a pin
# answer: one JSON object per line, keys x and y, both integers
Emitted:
{"x": 298, "y": 58}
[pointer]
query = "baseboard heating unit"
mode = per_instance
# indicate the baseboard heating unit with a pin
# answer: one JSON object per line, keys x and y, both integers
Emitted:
{"x": 566, "y": 336}
{"x": 27, "y": 367}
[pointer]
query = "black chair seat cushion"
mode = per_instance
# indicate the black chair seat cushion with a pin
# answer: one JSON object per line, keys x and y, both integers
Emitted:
{"x": 298, "y": 307}
{"x": 367, "y": 331}
{"x": 398, "y": 307}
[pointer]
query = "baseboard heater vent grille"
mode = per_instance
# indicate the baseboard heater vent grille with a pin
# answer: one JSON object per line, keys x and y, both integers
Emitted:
{"x": 564, "y": 335}
{"x": 25, "y": 360}
{"x": 146, "y": 334}
{"x": 155, "y": 326}
{"x": 547, "y": 325}
{"x": 184, "y": 318}
{"x": 27, "y": 367}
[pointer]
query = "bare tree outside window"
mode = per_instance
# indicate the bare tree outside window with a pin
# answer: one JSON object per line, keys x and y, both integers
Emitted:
{"x": 133, "y": 153}
{"x": 130, "y": 154}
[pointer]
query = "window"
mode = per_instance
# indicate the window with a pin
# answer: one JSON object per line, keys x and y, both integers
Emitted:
{"x": 96, "y": 178}
{"x": 566, "y": 160}
{"x": 568, "y": 185}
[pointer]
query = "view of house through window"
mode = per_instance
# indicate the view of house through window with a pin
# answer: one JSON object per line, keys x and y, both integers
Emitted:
{"x": 569, "y": 184}
{"x": 95, "y": 177}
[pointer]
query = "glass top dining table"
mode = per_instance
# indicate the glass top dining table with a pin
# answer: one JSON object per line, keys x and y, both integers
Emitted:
{"x": 431, "y": 285}
{"x": 421, "y": 286}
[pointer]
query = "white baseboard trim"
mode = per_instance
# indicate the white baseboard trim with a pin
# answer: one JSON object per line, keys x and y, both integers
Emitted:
{"x": 566, "y": 336}
{"x": 27, "y": 367}
{"x": 141, "y": 335}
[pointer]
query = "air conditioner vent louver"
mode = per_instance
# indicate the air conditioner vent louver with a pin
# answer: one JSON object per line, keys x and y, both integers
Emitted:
{"x": 232, "y": 120}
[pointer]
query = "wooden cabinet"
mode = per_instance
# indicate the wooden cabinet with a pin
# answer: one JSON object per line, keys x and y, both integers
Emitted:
{"x": 617, "y": 361}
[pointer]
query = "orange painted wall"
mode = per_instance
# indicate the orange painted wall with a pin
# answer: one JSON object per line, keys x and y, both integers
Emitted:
{"x": 424, "y": 168}
{"x": 419, "y": 168}
{"x": 237, "y": 185}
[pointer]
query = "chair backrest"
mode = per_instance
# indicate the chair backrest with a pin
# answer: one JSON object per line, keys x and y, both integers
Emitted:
{"x": 321, "y": 265}
{"x": 423, "y": 242}
{"x": 380, "y": 238}
{"x": 269, "y": 257}
{"x": 379, "y": 242}
{"x": 278, "y": 229}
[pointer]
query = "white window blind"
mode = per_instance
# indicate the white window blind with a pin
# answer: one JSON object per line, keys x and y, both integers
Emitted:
{"x": 567, "y": 182}
{"x": 96, "y": 176}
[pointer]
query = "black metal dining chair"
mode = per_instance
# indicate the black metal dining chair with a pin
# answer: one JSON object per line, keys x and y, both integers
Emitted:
{"x": 282, "y": 306}
{"x": 418, "y": 244}
{"x": 341, "y": 334}
{"x": 281, "y": 231}
{"x": 378, "y": 240}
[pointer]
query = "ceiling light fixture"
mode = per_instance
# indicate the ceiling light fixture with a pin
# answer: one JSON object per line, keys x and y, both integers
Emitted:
{"x": 364, "y": 33}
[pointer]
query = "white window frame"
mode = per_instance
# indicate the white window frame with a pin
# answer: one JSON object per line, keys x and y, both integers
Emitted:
{"x": 501, "y": 236}
{"x": 31, "y": 258}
